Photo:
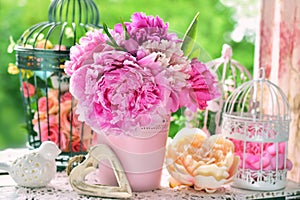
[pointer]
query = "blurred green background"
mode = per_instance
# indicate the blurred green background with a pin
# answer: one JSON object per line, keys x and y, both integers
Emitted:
{"x": 216, "y": 24}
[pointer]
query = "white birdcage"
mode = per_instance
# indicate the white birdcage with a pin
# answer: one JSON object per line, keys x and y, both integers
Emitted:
{"x": 256, "y": 118}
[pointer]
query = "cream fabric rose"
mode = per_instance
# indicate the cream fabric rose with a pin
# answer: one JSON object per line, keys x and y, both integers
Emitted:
{"x": 194, "y": 159}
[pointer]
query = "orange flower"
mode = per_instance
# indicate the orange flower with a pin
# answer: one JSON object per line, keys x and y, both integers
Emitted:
{"x": 43, "y": 107}
{"x": 64, "y": 121}
{"x": 50, "y": 131}
{"x": 80, "y": 135}
{"x": 194, "y": 159}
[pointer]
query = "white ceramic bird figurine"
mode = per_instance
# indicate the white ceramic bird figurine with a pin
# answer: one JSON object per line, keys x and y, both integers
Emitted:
{"x": 35, "y": 169}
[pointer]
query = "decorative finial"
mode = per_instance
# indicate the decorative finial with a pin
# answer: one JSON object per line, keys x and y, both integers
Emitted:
{"x": 226, "y": 52}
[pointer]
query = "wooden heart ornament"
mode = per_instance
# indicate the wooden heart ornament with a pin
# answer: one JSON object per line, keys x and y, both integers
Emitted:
{"x": 78, "y": 175}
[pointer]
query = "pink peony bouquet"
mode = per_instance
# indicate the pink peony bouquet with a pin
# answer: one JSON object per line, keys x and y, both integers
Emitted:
{"x": 126, "y": 77}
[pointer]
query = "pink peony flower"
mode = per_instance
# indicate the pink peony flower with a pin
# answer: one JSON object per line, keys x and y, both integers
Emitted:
{"x": 28, "y": 89}
{"x": 120, "y": 82}
{"x": 169, "y": 66}
{"x": 122, "y": 97}
{"x": 82, "y": 54}
{"x": 203, "y": 85}
{"x": 143, "y": 28}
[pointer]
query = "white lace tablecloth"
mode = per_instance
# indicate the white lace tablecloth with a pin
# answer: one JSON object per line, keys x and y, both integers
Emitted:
{"x": 59, "y": 188}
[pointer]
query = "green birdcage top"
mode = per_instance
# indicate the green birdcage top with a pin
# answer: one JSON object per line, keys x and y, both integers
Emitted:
{"x": 47, "y": 44}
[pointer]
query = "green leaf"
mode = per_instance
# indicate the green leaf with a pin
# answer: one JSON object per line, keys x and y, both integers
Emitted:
{"x": 189, "y": 37}
{"x": 174, "y": 128}
{"x": 195, "y": 53}
{"x": 125, "y": 29}
{"x": 112, "y": 40}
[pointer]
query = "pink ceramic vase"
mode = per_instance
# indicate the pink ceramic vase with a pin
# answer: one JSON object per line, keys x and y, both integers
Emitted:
{"x": 141, "y": 155}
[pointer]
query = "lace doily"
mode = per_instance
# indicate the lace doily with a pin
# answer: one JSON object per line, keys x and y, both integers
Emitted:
{"x": 59, "y": 188}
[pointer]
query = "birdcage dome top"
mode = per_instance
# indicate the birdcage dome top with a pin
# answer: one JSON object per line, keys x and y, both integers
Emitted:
{"x": 79, "y": 11}
{"x": 68, "y": 20}
{"x": 46, "y": 45}
{"x": 258, "y": 100}
{"x": 259, "y": 105}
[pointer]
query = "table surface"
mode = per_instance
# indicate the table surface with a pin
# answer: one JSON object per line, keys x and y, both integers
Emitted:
{"x": 59, "y": 188}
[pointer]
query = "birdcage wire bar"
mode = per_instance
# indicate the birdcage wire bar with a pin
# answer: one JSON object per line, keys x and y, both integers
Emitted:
{"x": 231, "y": 74}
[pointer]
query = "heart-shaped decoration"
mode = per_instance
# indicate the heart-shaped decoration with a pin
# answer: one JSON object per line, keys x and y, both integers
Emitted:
{"x": 78, "y": 175}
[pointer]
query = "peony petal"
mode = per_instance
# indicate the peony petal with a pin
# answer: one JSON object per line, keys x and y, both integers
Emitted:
{"x": 213, "y": 170}
{"x": 173, "y": 182}
{"x": 183, "y": 177}
{"x": 250, "y": 158}
{"x": 281, "y": 147}
{"x": 207, "y": 182}
{"x": 78, "y": 82}
{"x": 266, "y": 161}
{"x": 272, "y": 149}
{"x": 189, "y": 133}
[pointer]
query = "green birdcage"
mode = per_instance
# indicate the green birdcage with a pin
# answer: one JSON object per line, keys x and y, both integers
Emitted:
{"x": 40, "y": 56}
